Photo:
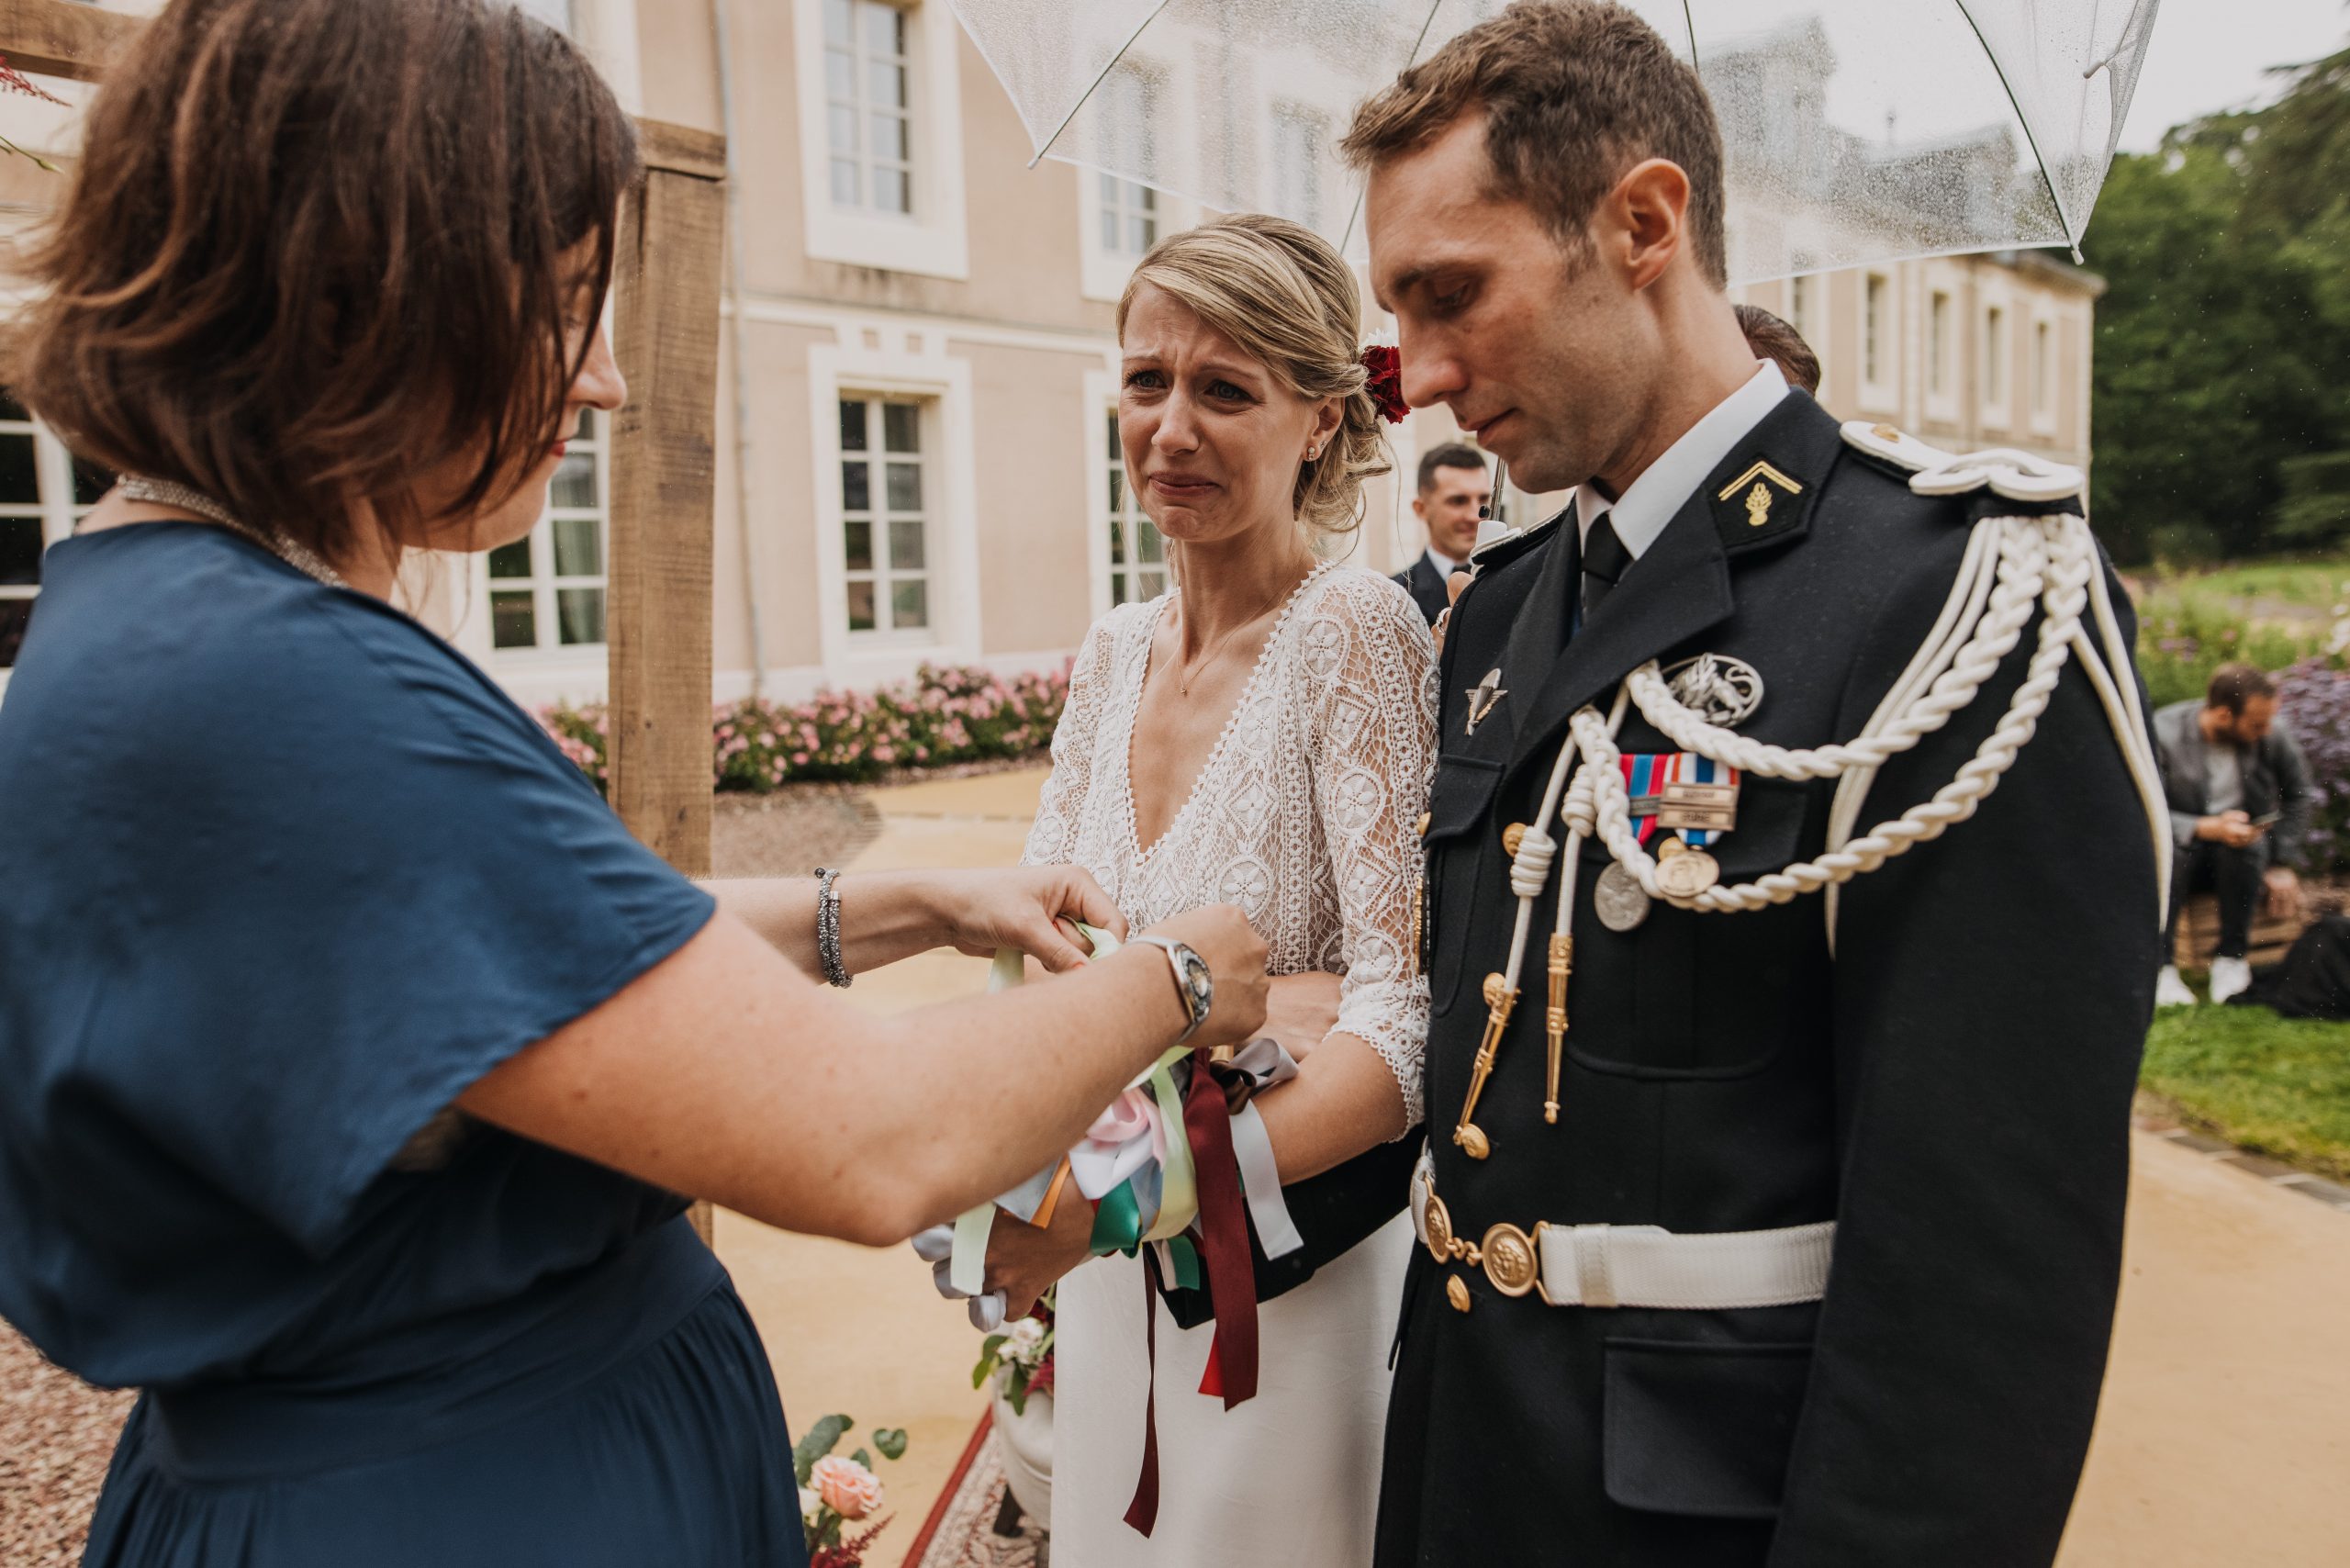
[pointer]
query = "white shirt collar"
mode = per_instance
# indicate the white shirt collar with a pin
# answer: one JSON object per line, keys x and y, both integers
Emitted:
{"x": 1444, "y": 565}
{"x": 1641, "y": 513}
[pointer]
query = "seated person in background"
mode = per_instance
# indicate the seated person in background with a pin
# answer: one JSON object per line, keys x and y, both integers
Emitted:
{"x": 2238, "y": 791}
{"x": 1773, "y": 339}
{"x": 1455, "y": 489}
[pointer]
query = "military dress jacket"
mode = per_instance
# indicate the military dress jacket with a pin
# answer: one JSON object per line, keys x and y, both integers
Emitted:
{"x": 1952, "y": 1087}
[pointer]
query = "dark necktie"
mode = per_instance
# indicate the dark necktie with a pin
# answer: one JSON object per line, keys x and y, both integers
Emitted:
{"x": 1604, "y": 560}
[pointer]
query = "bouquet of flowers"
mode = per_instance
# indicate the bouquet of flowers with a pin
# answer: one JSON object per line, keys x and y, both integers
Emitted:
{"x": 836, "y": 1492}
{"x": 1023, "y": 1353}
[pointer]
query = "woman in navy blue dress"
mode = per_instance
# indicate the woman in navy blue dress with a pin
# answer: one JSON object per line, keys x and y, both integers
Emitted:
{"x": 352, "y": 1056}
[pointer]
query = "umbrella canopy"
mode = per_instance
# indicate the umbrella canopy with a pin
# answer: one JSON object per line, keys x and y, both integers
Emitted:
{"x": 1854, "y": 130}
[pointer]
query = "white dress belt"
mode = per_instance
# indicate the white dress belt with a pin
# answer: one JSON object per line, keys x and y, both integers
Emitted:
{"x": 1646, "y": 1265}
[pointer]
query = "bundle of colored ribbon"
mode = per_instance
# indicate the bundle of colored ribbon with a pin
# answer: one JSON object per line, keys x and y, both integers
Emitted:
{"x": 1183, "y": 1200}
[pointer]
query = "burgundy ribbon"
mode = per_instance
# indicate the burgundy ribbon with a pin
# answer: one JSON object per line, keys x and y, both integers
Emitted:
{"x": 1232, "y": 1280}
{"x": 1142, "y": 1513}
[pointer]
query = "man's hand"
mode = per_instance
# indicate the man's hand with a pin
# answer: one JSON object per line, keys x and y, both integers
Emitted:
{"x": 2234, "y": 829}
{"x": 1022, "y": 907}
{"x": 1301, "y": 1010}
{"x": 1024, "y": 1261}
{"x": 2284, "y": 892}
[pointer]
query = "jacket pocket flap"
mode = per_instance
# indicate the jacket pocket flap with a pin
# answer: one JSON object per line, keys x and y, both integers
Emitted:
{"x": 1701, "y": 1430}
{"x": 1462, "y": 789}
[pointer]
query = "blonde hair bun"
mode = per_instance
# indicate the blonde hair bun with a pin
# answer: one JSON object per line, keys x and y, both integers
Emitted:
{"x": 1286, "y": 298}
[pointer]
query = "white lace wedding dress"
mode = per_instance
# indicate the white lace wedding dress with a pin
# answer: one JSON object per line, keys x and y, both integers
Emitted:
{"x": 1304, "y": 816}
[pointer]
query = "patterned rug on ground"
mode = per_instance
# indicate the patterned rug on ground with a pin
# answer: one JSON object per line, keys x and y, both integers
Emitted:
{"x": 961, "y": 1530}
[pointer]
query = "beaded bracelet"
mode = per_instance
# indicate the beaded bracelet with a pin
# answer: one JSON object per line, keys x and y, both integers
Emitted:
{"x": 828, "y": 928}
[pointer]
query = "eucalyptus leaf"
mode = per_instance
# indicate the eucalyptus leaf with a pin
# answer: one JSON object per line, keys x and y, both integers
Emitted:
{"x": 890, "y": 1441}
{"x": 818, "y": 1441}
{"x": 862, "y": 1458}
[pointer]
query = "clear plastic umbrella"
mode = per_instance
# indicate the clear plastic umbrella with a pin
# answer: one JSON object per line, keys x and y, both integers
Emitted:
{"x": 1856, "y": 130}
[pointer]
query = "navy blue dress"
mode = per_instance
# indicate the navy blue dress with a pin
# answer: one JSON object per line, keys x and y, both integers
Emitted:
{"x": 280, "y": 874}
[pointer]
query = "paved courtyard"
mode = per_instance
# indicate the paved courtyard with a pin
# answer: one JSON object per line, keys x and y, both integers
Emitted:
{"x": 2221, "y": 1441}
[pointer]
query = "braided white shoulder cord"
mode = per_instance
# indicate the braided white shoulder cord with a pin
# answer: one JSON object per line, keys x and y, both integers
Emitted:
{"x": 2012, "y": 566}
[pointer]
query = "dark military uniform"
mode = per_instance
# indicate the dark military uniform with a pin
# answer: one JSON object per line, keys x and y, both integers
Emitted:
{"x": 1952, "y": 1087}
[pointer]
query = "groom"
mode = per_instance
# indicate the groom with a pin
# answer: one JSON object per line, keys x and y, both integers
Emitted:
{"x": 1877, "y": 1188}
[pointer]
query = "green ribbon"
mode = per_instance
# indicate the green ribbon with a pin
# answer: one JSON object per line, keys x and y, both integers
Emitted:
{"x": 1117, "y": 1223}
{"x": 1186, "y": 1259}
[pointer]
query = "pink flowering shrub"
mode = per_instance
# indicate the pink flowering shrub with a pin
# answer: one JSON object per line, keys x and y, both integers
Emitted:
{"x": 940, "y": 717}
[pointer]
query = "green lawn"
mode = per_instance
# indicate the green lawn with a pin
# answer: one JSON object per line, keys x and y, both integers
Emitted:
{"x": 2272, "y": 1085}
{"x": 2315, "y": 583}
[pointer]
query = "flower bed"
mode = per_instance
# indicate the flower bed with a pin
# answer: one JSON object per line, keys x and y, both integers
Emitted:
{"x": 940, "y": 718}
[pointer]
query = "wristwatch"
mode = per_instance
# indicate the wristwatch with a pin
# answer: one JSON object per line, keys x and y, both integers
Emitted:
{"x": 1193, "y": 981}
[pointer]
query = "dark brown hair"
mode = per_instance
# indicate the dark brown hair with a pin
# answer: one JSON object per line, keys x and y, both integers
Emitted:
{"x": 2232, "y": 686}
{"x": 316, "y": 247}
{"x": 1451, "y": 454}
{"x": 1774, "y": 339}
{"x": 1575, "y": 93}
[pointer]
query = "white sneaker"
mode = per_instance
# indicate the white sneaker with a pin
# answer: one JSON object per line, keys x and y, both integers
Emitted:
{"x": 2229, "y": 976}
{"x": 2170, "y": 991}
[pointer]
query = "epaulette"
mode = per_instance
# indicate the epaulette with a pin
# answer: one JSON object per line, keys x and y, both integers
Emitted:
{"x": 2016, "y": 475}
{"x": 1510, "y": 547}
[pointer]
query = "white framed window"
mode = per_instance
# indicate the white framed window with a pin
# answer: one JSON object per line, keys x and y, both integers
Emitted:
{"x": 1137, "y": 555}
{"x": 546, "y": 589}
{"x": 1938, "y": 355}
{"x": 555, "y": 14}
{"x": 44, "y": 491}
{"x": 2043, "y": 374}
{"x": 880, "y": 135}
{"x": 1801, "y": 304}
{"x": 1127, "y": 222}
{"x": 868, "y": 106}
{"x": 1995, "y": 364}
{"x": 1299, "y": 137}
{"x": 885, "y": 518}
{"x": 1877, "y": 327}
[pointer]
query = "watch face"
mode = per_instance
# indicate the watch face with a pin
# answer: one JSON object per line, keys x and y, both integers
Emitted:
{"x": 1198, "y": 981}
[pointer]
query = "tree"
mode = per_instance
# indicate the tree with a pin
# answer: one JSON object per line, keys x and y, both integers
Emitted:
{"x": 2223, "y": 351}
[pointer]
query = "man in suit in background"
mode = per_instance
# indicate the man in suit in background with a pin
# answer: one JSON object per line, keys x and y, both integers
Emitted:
{"x": 2232, "y": 774}
{"x": 1455, "y": 488}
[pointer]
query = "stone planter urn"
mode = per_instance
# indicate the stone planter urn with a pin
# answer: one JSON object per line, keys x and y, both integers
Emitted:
{"x": 1027, "y": 1448}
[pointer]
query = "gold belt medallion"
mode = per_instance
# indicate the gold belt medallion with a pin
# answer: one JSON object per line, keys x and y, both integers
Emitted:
{"x": 1509, "y": 1260}
{"x": 1437, "y": 1221}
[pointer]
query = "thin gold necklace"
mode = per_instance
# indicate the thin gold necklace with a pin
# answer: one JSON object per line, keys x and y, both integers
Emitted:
{"x": 1186, "y": 670}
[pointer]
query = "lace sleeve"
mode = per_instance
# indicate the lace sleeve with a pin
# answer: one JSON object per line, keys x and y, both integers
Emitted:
{"x": 1052, "y": 838}
{"x": 1372, "y": 668}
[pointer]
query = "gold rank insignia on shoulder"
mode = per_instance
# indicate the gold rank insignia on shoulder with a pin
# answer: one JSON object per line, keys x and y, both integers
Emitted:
{"x": 1759, "y": 503}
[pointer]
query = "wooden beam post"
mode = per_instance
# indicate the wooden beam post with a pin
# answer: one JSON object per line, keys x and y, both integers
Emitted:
{"x": 56, "y": 38}
{"x": 657, "y": 614}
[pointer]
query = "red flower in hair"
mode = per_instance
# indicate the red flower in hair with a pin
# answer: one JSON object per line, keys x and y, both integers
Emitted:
{"x": 1386, "y": 365}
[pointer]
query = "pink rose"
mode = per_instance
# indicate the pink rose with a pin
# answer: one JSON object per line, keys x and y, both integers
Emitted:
{"x": 848, "y": 1487}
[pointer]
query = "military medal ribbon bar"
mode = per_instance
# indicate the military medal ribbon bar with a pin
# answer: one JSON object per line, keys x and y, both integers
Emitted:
{"x": 1682, "y": 793}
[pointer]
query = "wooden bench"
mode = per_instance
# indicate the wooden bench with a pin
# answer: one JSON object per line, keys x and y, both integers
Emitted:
{"x": 2198, "y": 933}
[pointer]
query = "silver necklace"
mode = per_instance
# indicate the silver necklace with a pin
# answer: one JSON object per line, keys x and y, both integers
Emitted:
{"x": 293, "y": 551}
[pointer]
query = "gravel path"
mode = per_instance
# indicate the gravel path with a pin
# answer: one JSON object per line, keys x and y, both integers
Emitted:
{"x": 56, "y": 1435}
{"x": 791, "y": 832}
{"x": 57, "y": 1432}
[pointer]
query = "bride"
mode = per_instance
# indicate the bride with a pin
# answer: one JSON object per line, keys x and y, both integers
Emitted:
{"x": 1261, "y": 735}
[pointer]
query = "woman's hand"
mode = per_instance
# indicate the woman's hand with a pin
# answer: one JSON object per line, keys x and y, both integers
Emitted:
{"x": 1024, "y": 1261}
{"x": 1301, "y": 1010}
{"x": 1023, "y": 908}
{"x": 1220, "y": 934}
